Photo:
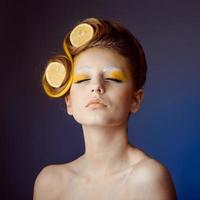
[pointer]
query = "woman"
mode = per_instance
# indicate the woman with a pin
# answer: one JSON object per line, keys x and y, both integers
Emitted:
{"x": 101, "y": 78}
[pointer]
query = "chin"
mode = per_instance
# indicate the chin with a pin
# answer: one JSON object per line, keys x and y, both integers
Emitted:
{"x": 99, "y": 118}
{"x": 98, "y": 121}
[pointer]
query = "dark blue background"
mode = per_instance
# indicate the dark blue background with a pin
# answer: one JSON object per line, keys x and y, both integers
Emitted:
{"x": 36, "y": 131}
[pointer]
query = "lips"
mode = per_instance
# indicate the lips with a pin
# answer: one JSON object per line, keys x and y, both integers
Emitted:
{"x": 96, "y": 103}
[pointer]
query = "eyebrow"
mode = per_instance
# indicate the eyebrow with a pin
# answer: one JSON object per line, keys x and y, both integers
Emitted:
{"x": 84, "y": 69}
{"x": 112, "y": 68}
{"x": 90, "y": 69}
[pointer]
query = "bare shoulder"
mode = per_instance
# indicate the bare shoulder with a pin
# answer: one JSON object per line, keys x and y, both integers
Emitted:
{"x": 152, "y": 180}
{"x": 49, "y": 182}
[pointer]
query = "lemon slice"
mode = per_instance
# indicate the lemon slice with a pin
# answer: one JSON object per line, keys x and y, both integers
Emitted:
{"x": 55, "y": 74}
{"x": 81, "y": 34}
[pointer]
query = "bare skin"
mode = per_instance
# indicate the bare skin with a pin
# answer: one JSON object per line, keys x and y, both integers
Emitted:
{"x": 143, "y": 179}
{"x": 110, "y": 168}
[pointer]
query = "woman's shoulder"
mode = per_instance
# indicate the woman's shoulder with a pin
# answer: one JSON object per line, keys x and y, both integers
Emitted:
{"x": 143, "y": 163}
{"x": 153, "y": 177}
{"x": 150, "y": 169}
{"x": 50, "y": 181}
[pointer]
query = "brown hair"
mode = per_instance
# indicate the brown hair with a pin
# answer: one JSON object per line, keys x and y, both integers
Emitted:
{"x": 111, "y": 34}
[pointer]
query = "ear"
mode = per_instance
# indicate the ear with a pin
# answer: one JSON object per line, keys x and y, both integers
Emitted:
{"x": 137, "y": 100}
{"x": 68, "y": 104}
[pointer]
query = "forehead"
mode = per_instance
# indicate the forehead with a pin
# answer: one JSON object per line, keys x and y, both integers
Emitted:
{"x": 100, "y": 58}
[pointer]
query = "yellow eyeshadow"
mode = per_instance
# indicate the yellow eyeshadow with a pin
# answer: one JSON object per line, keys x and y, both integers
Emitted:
{"x": 118, "y": 75}
{"x": 79, "y": 77}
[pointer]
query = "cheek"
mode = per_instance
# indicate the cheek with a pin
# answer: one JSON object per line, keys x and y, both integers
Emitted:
{"x": 77, "y": 99}
{"x": 123, "y": 95}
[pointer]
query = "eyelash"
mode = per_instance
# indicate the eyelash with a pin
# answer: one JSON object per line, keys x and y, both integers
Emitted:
{"x": 111, "y": 79}
{"x": 82, "y": 80}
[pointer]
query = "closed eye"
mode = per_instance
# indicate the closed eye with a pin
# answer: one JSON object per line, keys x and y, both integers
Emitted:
{"x": 110, "y": 79}
{"x": 113, "y": 79}
{"x": 80, "y": 81}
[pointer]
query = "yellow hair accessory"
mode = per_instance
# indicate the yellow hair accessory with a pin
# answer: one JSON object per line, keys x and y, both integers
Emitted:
{"x": 81, "y": 34}
{"x": 55, "y": 74}
{"x": 57, "y": 78}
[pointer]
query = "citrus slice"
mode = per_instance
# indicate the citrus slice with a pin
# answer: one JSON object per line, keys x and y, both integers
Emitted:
{"x": 55, "y": 74}
{"x": 81, "y": 34}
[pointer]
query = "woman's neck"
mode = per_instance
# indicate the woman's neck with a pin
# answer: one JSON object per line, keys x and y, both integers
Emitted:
{"x": 106, "y": 149}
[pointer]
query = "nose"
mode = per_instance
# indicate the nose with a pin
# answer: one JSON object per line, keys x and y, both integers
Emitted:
{"x": 98, "y": 87}
{"x": 98, "y": 90}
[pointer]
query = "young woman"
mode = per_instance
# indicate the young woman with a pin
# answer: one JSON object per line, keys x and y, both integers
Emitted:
{"x": 101, "y": 77}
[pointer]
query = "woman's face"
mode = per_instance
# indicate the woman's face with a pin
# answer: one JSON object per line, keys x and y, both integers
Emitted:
{"x": 102, "y": 92}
